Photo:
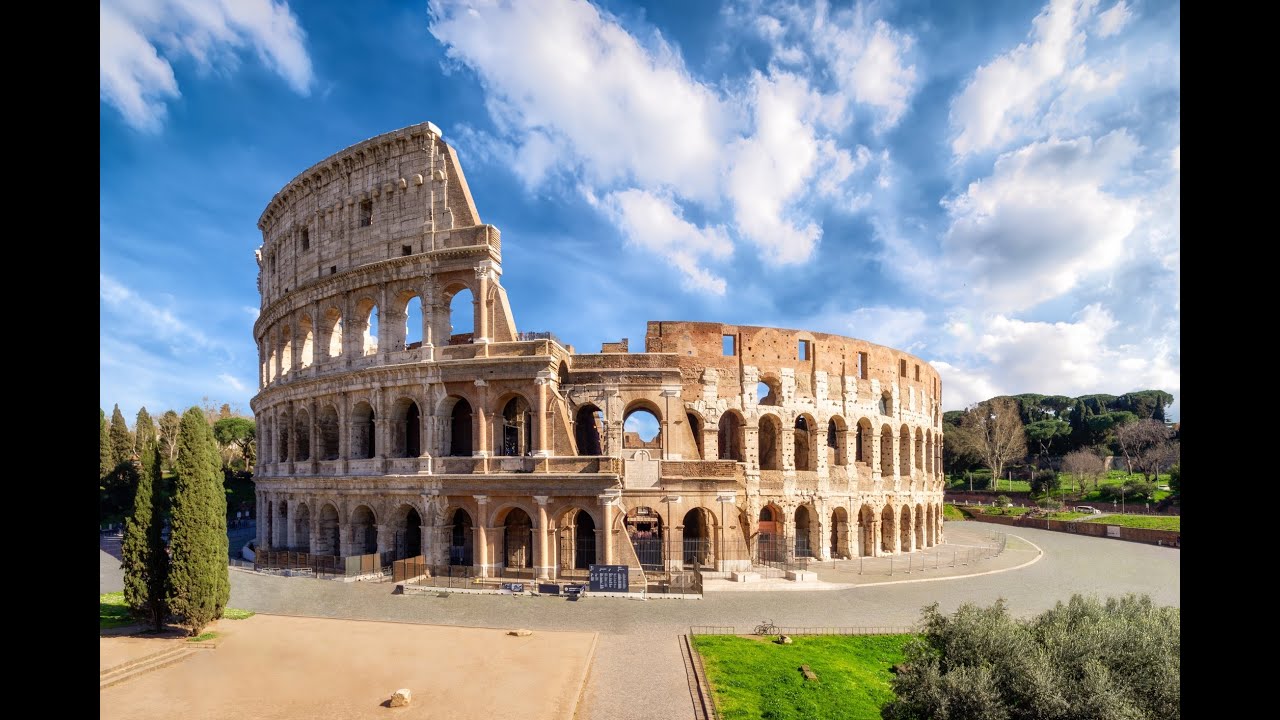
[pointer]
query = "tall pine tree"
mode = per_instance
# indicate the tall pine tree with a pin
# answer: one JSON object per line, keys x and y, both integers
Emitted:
{"x": 144, "y": 433}
{"x": 143, "y": 556}
{"x": 199, "y": 585}
{"x": 105, "y": 466}
{"x": 121, "y": 439}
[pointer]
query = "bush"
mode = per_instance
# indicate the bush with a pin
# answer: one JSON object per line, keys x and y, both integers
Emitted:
{"x": 1050, "y": 504}
{"x": 1045, "y": 481}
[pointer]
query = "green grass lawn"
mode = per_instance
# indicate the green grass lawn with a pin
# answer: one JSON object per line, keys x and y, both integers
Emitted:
{"x": 1149, "y": 522}
{"x": 951, "y": 512}
{"x": 113, "y": 613}
{"x": 756, "y": 678}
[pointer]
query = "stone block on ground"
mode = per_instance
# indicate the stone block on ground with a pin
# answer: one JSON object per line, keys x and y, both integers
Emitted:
{"x": 802, "y": 575}
{"x": 520, "y": 633}
{"x": 401, "y": 697}
{"x": 746, "y": 577}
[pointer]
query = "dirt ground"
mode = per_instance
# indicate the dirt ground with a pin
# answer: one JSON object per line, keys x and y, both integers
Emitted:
{"x": 273, "y": 667}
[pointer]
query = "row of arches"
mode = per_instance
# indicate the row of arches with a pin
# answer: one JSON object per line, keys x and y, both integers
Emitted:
{"x": 288, "y": 347}
{"x": 868, "y": 533}
{"x": 918, "y": 449}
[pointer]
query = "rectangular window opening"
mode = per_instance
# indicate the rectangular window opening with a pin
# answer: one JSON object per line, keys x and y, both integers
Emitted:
{"x": 406, "y": 249}
{"x": 917, "y": 373}
{"x": 306, "y": 239}
{"x": 333, "y": 269}
{"x": 728, "y": 345}
{"x": 902, "y": 368}
{"x": 805, "y": 350}
{"x": 862, "y": 365}
{"x": 366, "y": 213}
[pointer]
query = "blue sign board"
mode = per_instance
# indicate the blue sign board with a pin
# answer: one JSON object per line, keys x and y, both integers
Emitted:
{"x": 548, "y": 589}
{"x": 610, "y": 578}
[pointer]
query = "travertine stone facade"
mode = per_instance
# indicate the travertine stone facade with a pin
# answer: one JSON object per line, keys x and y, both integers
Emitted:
{"x": 499, "y": 449}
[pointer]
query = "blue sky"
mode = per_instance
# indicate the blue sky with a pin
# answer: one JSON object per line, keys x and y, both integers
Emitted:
{"x": 993, "y": 186}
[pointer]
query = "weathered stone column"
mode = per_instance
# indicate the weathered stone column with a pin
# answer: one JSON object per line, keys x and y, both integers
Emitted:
{"x": 540, "y": 439}
{"x": 480, "y": 425}
{"x": 484, "y": 273}
{"x": 541, "y": 540}
{"x": 604, "y": 535}
{"x": 480, "y": 542}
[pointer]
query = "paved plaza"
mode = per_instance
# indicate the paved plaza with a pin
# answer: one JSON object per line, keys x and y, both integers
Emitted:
{"x": 637, "y": 670}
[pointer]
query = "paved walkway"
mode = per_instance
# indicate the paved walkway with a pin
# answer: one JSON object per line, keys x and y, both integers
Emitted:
{"x": 638, "y": 664}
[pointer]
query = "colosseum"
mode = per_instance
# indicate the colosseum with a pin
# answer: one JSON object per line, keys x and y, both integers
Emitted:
{"x": 402, "y": 412}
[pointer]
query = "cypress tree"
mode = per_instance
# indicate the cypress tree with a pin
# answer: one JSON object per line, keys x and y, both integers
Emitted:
{"x": 121, "y": 439}
{"x": 144, "y": 432}
{"x": 143, "y": 556}
{"x": 105, "y": 465}
{"x": 199, "y": 584}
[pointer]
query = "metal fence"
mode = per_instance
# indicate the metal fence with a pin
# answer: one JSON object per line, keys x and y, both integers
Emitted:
{"x": 284, "y": 562}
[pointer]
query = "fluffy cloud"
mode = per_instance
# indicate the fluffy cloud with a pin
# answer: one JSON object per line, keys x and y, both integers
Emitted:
{"x": 902, "y": 328}
{"x": 137, "y": 80}
{"x": 1040, "y": 222}
{"x": 1090, "y": 353}
{"x": 1008, "y": 93}
{"x": 655, "y": 224}
{"x": 1111, "y": 21}
{"x": 133, "y": 315}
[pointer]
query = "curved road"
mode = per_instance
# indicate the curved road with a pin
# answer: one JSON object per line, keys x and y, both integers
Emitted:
{"x": 638, "y": 671}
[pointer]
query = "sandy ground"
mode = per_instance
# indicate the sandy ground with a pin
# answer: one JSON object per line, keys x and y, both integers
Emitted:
{"x": 278, "y": 667}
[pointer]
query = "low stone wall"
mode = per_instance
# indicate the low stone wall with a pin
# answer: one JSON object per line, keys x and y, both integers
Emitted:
{"x": 1097, "y": 529}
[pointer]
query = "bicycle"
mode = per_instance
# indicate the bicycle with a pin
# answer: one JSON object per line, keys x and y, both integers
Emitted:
{"x": 766, "y": 628}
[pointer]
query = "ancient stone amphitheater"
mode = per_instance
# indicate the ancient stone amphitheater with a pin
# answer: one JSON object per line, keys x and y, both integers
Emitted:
{"x": 383, "y": 430}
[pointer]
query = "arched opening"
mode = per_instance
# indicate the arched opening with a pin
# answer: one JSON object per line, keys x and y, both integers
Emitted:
{"x": 362, "y": 431}
{"x": 327, "y": 438}
{"x": 588, "y": 426}
{"x": 839, "y": 547}
{"x": 272, "y": 365}
{"x": 886, "y": 403}
{"x": 770, "y": 452}
{"x": 333, "y": 325}
{"x": 768, "y": 392}
{"x": 327, "y": 541}
{"x": 644, "y": 527}
{"x": 886, "y": 451}
{"x": 905, "y": 529}
{"x": 771, "y": 544}
{"x": 866, "y": 532}
{"x": 517, "y": 551}
{"x": 803, "y": 546}
{"x": 886, "y": 529}
{"x": 862, "y": 442}
{"x": 729, "y": 436}
{"x": 803, "y": 433}
{"x": 462, "y": 317}
{"x": 919, "y": 525}
{"x": 408, "y": 532}
{"x": 577, "y": 540}
{"x": 413, "y": 431}
{"x": 302, "y": 436}
{"x": 286, "y": 350}
{"x": 837, "y": 442}
{"x": 699, "y": 551}
{"x": 281, "y": 525}
{"x": 641, "y": 430}
{"x": 285, "y": 441}
{"x": 517, "y": 428}
{"x": 364, "y": 531}
{"x": 460, "y": 429}
{"x": 413, "y": 323}
{"x": 307, "y": 354}
{"x": 371, "y": 320}
{"x": 904, "y": 452}
{"x": 460, "y": 538}
{"x": 302, "y": 529}
{"x": 695, "y": 427}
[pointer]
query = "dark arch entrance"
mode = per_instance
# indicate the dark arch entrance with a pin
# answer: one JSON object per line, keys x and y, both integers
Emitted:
{"x": 460, "y": 429}
{"x": 413, "y": 431}
{"x": 644, "y": 526}
{"x": 364, "y": 534}
{"x": 328, "y": 539}
{"x": 517, "y": 428}
{"x": 460, "y": 538}
{"x": 803, "y": 546}
{"x": 586, "y": 429}
{"x": 517, "y": 550}
{"x": 698, "y": 550}
{"x": 584, "y": 552}
{"x": 771, "y": 545}
{"x": 411, "y": 544}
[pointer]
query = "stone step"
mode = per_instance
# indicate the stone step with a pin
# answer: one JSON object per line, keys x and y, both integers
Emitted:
{"x": 141, "y": 666}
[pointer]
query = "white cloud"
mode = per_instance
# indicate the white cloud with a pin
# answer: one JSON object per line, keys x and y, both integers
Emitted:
{"x": 1040, "y": 222}
{"x": 132, "y": 313}
{"x": 655, "y": 224}
{"x": 901, "y": 328}
{"x": 1111, "y": 21}
{"x": 1007, "y": 93}
{"x": 233, "y": 382}
{"x": 1088, "y": 354}
{"x": 137, "y": 80}
{"x": 868, "y": 59}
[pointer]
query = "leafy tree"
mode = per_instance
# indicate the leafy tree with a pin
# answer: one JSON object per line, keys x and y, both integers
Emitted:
{"x": 105, "y": 465}
{"x": 992, "y": 430}
{"x": 1085, "y": 659}
{"x": 1045, "y": 481}
{"x": 169, "y": 423}
{"x": 144, "y": 433}
{"x": 1175, "y": 479}
{"x": 1048, "y": 437}
{"x": 143, "y": 556}
{"x": 121, "y": 439}
{"x": 199, "y": 586}
{"x": 1003, "y": 500}
{"x": 238, "y": 433}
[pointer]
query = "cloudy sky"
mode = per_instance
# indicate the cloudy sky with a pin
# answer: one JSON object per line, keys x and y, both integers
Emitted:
{"x": 992, "y": 185}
